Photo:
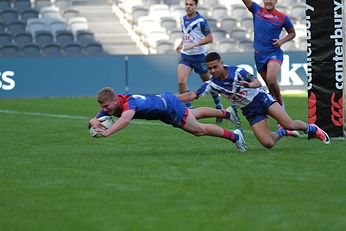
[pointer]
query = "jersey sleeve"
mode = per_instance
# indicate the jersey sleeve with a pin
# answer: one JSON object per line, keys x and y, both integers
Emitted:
{"x": 101, "y": 113}
{"x": 205, "y": 28}
{"x": 287, "y": 23}
{"x": 254, "y": 8}
{"x": 203, "y": 90}
{"x": 130, "y": 104}
{"x": 246, "y": 76}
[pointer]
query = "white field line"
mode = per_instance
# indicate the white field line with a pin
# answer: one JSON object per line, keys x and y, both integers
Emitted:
{"x": 62, "y": 116}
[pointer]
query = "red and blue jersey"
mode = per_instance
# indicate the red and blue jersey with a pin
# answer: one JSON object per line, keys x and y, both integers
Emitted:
{"x": 165, "y": 107}
{"x": 268, "y": 26}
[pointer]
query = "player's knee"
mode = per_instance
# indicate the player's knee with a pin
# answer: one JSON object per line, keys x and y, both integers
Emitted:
{"x": 271, "y": 81}
{"x": 199, "y": 132}
{"x": 268, "y": 144}
{"x": 181, "y": 82}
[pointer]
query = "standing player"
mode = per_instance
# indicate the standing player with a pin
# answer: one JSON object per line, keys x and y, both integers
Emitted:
{"x": 268, "y": 24}
{"x": 165, "y": 107}
{"x": 196, "y": 33}
{"x": 244, "y": 90}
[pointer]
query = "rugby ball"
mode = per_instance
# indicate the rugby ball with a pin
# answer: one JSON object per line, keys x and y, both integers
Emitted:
{"x": 106, "y": 122}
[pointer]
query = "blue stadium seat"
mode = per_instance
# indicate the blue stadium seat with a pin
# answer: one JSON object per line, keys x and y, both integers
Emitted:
{"x": 2, "y": 26}
{"x": 16, "y": 26}
{"x": 85, "y": 37}
{"x": 22, "y": 5}
{"x": 5, "y": 38}
{"x": 23, "y": 38}
{"x": 73, "y": 49}
{"x": 93, "y": 48}
{"x": 10, "y": 50}
{"x": 43, "y": 37}
{"x": 31, "y": 49}
{"x": 5, "y": 4}
{"x": 9, "y": 15}
{"x": 64, "y": 37}
{"x": 52, "y": 49}
{"x": 29, "y": 13}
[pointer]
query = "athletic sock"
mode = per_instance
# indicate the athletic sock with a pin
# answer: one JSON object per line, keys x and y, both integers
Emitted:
{"x": 281, "y": 132}
{"x": 216, "y": 98}
{"x": 230, "y": 135}
{"x": 311, "y": 129}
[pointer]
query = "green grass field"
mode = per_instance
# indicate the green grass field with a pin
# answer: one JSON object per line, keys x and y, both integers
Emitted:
{"x": 54, "y": 176}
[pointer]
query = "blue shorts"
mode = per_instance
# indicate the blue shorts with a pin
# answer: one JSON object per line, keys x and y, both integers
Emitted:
{"x": 257, "y": 110}
{"x": 196, "y": 62}
{"x": 262, "y": 59}
{"x": 176, "y": 112}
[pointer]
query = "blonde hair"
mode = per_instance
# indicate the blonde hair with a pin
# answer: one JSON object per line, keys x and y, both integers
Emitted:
{"x": 105, "y": 94}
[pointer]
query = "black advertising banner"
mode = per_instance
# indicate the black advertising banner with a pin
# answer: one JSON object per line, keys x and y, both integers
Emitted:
{"x": 325, "y": 60}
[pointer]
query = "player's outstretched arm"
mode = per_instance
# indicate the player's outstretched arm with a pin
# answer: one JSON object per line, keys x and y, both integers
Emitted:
{"x": 121, "y": 123}
{"x": 188, "y": 96}
{"x": 247, "y": 3}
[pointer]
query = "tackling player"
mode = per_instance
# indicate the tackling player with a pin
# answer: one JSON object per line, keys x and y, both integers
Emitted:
{"x": 165, "y": 107}
{"x": 196, "y": 33}
{"x": 244, "y": 90}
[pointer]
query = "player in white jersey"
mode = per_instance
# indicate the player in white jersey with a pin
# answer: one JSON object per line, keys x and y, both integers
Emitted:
{"x": 244, "y": 90}
{"x": 196, "y": 34}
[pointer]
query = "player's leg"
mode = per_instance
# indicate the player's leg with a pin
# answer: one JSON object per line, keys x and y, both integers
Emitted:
{"x": 280, "y": 115}
{"x": 263, "y": 134}
{"x": 271, "y": 79}
{"x": 192, "y": 126}
{"x": 206, "y": 112}
{"x": 183, "y": 73}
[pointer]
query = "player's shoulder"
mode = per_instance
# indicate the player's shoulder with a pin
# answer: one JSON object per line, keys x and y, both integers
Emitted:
{"x": 279, "y": 13}
{"x": 231, "y": 68}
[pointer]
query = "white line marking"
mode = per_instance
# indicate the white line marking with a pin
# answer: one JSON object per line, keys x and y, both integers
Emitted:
{"x": 140, "y": 122}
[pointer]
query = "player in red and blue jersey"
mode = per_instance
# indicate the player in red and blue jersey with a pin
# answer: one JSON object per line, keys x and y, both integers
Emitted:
{"x": 244, "y": 90}
{"x": 196, "y": 34}
{"x": 268, "y": 24}
{"x": 166, "y": 107}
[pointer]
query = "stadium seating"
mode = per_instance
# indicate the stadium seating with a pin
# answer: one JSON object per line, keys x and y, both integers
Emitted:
{"x": 29, "y": 13}
{"x": 16, "y": 26}
{"x": 5, "y": 4}
{"x": 64, "y": 37}
{"x": 31, "y": 49}
{"x": 22, "y": 5}
{"x": 93, "y": 48}
{"x": 9, "y": 50}
{"x": 52, "y": 49}
{"x": 2, "y": 26}
{"x": 151, "y": 26}
{"x": 23, "y": 38}
{"x": 73, "y": 48}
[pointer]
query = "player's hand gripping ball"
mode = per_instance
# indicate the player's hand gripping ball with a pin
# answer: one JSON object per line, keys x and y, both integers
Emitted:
{"x": 106, "y": 122}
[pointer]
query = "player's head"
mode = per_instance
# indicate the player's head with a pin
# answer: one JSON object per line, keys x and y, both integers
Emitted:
{"x": 215, "y": 64}
{"x": 269, "y": 5}
{"x": 108, "y": 100}
{"x": 191, "y": 7}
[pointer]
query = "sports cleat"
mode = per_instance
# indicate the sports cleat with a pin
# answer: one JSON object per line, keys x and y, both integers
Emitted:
{"x": 240, "y": 143}
{"x": 293, "y": 133}
{"x": 322, "y": 135}
{"x": 234, "y": 115}
{"x": 219, "y": 119}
